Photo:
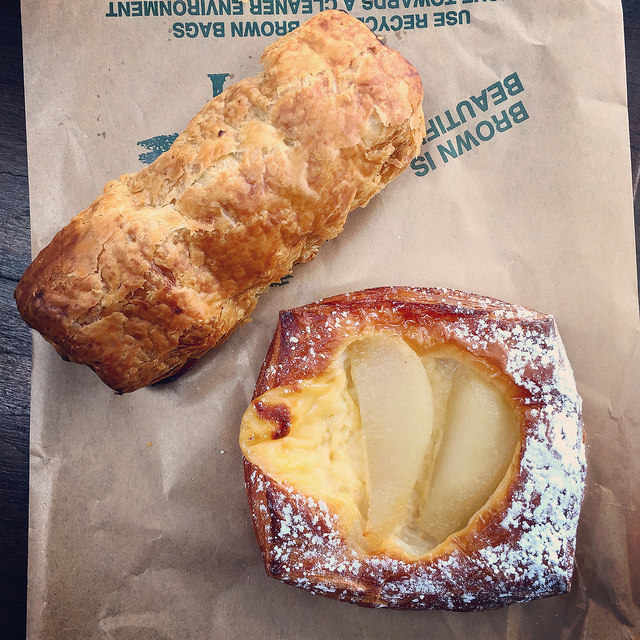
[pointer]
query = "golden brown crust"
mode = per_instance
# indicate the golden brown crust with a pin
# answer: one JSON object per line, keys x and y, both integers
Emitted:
{"x": 521, "y": 545}
{"x": 168, "y": 261}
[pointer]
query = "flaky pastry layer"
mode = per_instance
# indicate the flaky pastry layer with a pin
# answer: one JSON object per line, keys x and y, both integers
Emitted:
{"x": 168, "y": 261}
{"x": 521, "y": 544}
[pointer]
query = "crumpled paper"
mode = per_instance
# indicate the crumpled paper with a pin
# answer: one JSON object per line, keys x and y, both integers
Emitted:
{"x": 139, "y": 526}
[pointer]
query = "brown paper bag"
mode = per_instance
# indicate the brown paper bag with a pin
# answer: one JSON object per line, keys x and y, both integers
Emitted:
{"x": 139, "y": 526}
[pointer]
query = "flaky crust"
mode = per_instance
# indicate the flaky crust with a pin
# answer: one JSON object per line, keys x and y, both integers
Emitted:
{"x": 521, "y": 545}
{"x": 168, "y": 261}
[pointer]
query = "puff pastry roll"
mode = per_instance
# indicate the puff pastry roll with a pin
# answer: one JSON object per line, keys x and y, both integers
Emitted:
{"x": 167, "y": 262}
{"x": 416, "y": 449}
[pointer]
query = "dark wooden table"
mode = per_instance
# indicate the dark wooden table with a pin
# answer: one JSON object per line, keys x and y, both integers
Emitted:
{"x": 15, "y": 339}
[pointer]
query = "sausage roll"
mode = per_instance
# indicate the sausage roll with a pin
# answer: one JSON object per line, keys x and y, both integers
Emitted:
{"x": 167, "y": 262}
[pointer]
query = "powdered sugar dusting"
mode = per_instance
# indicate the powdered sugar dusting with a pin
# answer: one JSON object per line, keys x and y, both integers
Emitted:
{"x": 521, "y": 550}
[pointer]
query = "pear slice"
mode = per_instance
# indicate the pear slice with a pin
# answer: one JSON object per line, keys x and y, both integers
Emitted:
{"x": 396, "y": 411}
{"x": 478, "y": 444}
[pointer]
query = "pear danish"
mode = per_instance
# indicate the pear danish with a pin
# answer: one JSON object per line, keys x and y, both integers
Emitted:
{"x": 416, "y": 449}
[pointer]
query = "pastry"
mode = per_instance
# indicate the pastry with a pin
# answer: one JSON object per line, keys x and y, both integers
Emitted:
{"x": 167, "y": 262}
{"x": 416, "y": 449}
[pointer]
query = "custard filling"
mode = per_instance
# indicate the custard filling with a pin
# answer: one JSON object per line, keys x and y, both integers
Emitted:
{"x": 405, "y": 447}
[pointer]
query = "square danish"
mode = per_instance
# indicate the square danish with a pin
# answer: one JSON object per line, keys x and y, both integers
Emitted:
{"x": 416, "y": 449}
